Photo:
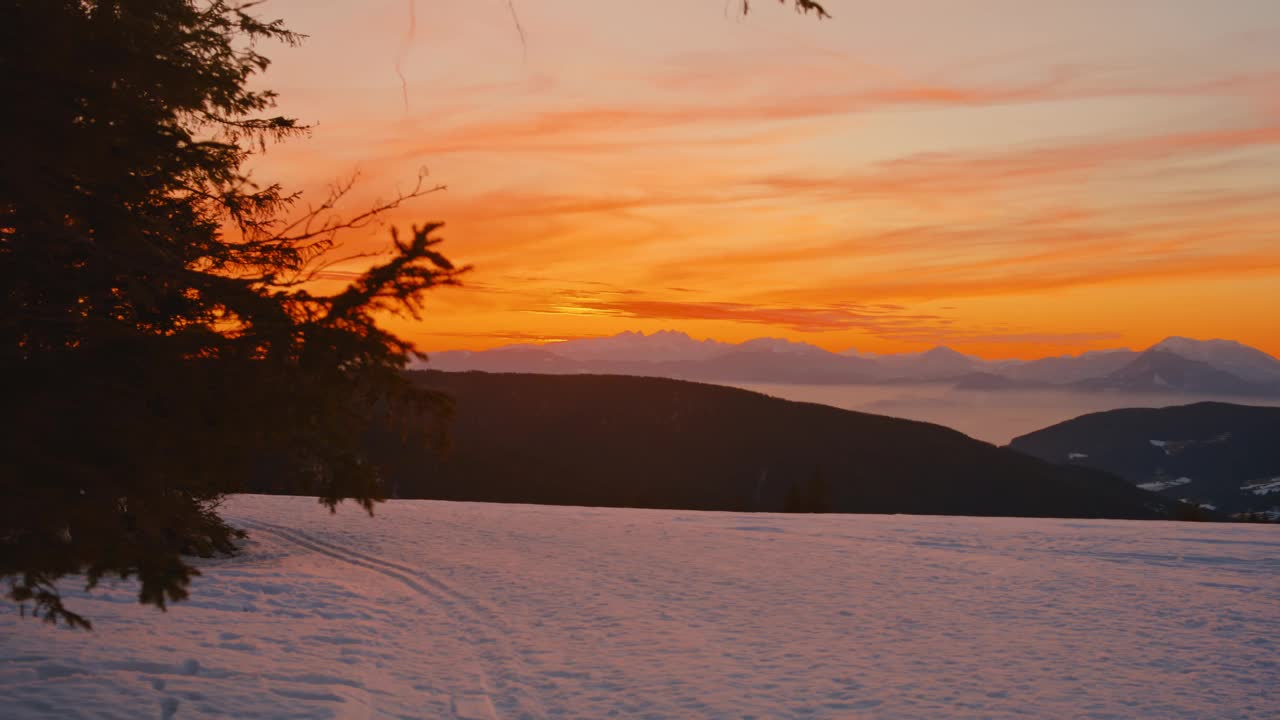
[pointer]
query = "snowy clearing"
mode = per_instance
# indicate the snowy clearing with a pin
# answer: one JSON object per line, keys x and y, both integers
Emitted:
{"x": 1265, "y": 487}
{"x": 1159, "y": 485}
{"x": 460, "y": 610}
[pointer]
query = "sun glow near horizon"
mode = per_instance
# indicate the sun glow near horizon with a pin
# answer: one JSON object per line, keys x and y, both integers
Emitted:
{"x": 1006, "y": 179}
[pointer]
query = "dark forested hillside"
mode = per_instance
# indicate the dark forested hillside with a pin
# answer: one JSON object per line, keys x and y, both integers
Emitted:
{"x": 651, "y": 442}
{"x": 1220, "y": 454}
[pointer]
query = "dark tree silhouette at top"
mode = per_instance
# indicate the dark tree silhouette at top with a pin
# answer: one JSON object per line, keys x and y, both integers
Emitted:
{"x": 159, "y": 338}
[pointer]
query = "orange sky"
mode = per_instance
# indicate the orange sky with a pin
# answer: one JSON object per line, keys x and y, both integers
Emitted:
{"x": 1009, "y": 178}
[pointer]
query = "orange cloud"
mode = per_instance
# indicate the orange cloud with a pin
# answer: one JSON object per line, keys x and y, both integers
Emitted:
{"x": 762, "y": 181}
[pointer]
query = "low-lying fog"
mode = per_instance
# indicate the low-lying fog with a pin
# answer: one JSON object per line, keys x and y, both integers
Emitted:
{"x": 994, "y": 416}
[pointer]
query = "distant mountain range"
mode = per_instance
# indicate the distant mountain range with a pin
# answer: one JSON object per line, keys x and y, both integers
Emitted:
{"x": 1217, "y": 454}
{"x": 654, "y": 442}
{"x": 1175, "y": 365}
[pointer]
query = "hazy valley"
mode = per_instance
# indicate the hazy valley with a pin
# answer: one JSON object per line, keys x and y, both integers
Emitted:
{"x": 994, "y": 416}
{"x": 992, "y": 400}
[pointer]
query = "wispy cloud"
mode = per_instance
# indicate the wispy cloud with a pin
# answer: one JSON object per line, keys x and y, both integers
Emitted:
{"x": 885, "y": 321}
{"x": 877, "y": 318}
{"x": 1066, "y": 339}
{"x": 619, "y": 126}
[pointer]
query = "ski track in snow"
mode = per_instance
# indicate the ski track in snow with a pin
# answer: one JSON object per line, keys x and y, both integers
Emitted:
{"x": 483, "y": 622}
{"x": 488, "y": 612}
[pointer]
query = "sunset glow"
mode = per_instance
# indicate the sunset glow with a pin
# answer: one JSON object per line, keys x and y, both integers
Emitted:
{"x": 1009, "y": 178}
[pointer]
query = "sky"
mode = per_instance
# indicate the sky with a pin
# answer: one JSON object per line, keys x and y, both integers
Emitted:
{"x": 1011, "y": 178}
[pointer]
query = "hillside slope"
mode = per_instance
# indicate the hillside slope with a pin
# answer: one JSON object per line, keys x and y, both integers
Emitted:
{"x": 1221, "y": 454}
{"x": 651, "y": 442}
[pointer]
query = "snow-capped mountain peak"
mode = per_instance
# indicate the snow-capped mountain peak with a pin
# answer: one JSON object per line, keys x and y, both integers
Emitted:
{"x": 1234, "y": 357}
{"x": 781, "y": 346}
{"x": 660, "y": 346}
{"x": 1177, "y": 364}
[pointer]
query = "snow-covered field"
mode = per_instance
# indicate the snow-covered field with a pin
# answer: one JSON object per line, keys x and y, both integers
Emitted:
{"x": 458, "y": 610}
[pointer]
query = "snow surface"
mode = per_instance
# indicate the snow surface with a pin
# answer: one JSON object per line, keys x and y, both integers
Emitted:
{"x": 1265, "y": 487}
{"x": 462, "y": 610}
{"x": 1158, "y": 485}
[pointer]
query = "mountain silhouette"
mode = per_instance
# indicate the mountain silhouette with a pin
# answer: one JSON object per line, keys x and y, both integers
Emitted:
{"x": 1248, "y": 363}
{"x": 1069, "y": 368}
{"x": 636, "y": 347}
{"x": 769, "y": 363}
{"x": 1163, "y": 371}
{"x": 1175, "y": 364}
{"x": 938, "y": 363}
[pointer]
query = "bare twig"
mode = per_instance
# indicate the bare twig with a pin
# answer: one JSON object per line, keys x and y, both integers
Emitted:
{"x": 524, "y": 43}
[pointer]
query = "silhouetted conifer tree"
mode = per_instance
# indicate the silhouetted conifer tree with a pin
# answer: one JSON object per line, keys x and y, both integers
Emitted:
{"x": 794, "y": 502}
{"x": 812, "y": 497}
{"x": 819, "y": 493}
{"x": 159, "y": 338}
